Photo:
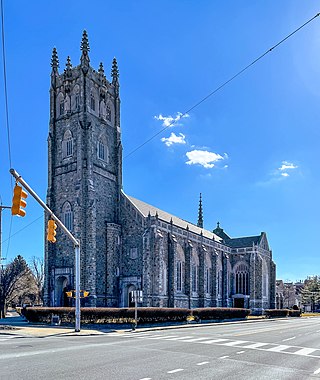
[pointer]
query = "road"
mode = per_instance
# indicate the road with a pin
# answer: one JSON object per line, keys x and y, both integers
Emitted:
{"x": 269, "y": 349}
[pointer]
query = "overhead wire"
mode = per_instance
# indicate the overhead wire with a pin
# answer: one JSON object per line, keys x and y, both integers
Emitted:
{"x": 6, "y": 106}
{"x": 180, "y": 116}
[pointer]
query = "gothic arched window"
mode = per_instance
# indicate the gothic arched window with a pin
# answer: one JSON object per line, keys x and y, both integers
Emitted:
{"x": 242, "y": 279}
{"x": 102, "y": 150}
{"x": 67, "y": 144}
{"x": 92, "y": 102}
{"x": 76, "y": 92}
{"x": 180, "y": 268}
{"x": 60, "y": 104}
{"x": 67, "y": 216}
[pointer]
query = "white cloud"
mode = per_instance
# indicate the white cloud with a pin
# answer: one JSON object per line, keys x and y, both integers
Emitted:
{"x": 203, "y": 158}
{"x": 171, "y": 120}
{"x": 174, "y": 139}
{"x": 285, "y": 166}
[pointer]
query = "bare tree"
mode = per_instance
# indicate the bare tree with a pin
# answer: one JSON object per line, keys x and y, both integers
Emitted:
{"x": 16, "y": 282}
{"x": 37, "y": 268}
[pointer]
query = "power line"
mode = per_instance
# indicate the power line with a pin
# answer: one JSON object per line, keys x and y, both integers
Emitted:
{"x": 6, "y": 106}
{"x": 221, "y": 86}
{"x": 5, "y": 83}
{"x": 35, "y": 220}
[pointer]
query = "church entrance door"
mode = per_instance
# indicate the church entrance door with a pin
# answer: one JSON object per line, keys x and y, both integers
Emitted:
{"x": 60, "y": 291}
{"x": 238, "y": 302}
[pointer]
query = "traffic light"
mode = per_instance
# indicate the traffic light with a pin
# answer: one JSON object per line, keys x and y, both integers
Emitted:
{"x": 69, "y": 294}
{"x": 51, "y": 233}
{"x": 18, "y": 201}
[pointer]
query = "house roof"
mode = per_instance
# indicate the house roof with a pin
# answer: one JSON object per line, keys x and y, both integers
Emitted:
{"x": 243, "y": 242}
{"x": 145, "y": 209}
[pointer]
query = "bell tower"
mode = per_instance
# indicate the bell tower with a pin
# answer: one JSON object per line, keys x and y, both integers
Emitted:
{"x": 84, "y": 173}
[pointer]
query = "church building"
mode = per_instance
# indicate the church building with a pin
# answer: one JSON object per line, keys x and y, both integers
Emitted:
{"x": 127, "y": 244}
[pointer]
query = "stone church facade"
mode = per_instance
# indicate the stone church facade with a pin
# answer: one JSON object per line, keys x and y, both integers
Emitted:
{"x": 127, "y": 244}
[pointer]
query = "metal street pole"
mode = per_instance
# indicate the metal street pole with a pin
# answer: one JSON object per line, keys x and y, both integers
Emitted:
{"x": 71, "y": 237}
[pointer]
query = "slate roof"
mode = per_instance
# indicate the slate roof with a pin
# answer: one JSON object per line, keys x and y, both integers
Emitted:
{"x": 145, "y": 208}
{"x": 243, "y": 242}
{"x": 219, "y": 231}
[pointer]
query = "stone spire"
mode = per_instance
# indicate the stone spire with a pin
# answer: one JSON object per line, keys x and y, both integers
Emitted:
{"x": 115, "y": 72}
{"x": 54, "y": 60}
{"x": 68, "y": 68}
{"x": 200, "y": 214}
{"x": 101, "y": 69}
{"x": 85, "y": 48}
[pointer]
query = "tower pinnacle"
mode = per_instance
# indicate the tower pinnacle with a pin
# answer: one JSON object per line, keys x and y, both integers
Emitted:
{"x": 200, "y": 214}
{"x": 67, "y": 70}
{"x": 85, "y": 48}
{"x": 114, "y": 71}
{"x": 54, "y": 60}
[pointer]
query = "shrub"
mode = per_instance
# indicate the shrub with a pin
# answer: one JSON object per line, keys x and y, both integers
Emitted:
{"x": 276, "y": 313}
{"x": 295, "y": 313}
{"x": 219, "y": 313}
{"x": 106, "y": 315}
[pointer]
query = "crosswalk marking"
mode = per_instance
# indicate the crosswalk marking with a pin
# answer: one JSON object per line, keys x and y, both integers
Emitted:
{"x": 279, "y": 348}
{"x": 214, "y": 341}
{"x": 180, "y": 337}
{"x": 195, "y": 339}
{"x": 305, "y": 351}
{"x": 256, "y": 345}
{"x": 270, "y": 347}
{"x": 235, "y": 343}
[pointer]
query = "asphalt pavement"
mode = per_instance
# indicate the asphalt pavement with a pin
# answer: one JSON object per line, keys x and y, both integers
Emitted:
{"x": 266, "y": 349}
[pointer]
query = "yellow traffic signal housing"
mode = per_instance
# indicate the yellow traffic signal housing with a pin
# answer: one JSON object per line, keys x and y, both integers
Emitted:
{"x": 69, "y": 294}
{"x": 85, "y": 293}
{"x": 51, "y": 233}
{"x": 18, "y": 201}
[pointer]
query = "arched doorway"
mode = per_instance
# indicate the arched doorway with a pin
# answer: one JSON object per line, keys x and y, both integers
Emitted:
{"x": 60, "y": 291}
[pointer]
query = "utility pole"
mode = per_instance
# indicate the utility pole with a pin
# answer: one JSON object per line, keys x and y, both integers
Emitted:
{"x": 1, "y": 208}
{"x": 70, "y": 236}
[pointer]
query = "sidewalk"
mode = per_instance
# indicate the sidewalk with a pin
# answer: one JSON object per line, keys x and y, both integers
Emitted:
{"x": 15, "y": 324}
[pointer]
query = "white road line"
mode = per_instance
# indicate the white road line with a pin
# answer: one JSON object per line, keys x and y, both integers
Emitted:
{"x": 240, "y": 352}
{"x": 278, "y": 348}
{"x": 235, "y": 343}
{"x": 202, "y": 363}
{"x": 195, "y": 339}
{"x": 224, "y": 357}
{"x": 180, "y": 337}
{"x": 176, "y": 370}
{"x": 146, "y": 378}
{"x": 305, "y": 351}
{"x": 159, "y": 337}
{"x": 284, "y": 340}
{"x": 256, "y": 345}
{"x": 317, "y": 371}
{"x": 215, "y": 341}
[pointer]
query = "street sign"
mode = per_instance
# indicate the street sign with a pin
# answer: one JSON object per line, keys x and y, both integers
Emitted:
{"x": 136, "y": 296}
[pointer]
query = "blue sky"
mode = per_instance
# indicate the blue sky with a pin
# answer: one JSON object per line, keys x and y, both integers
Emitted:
{"x": 252, "y": 149}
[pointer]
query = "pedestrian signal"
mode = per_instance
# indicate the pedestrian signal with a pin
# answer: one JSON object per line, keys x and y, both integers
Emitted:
{"x": 18, "y": 201}
{"x": 51, "y": 233}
